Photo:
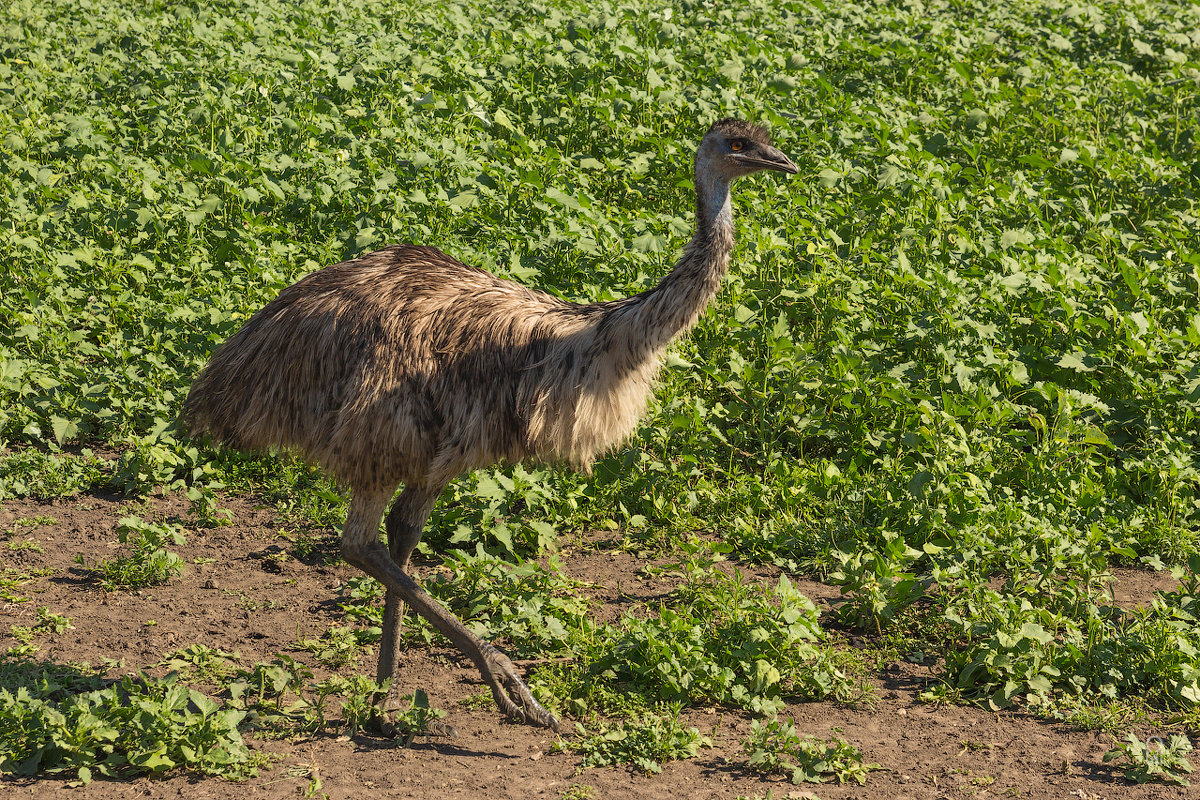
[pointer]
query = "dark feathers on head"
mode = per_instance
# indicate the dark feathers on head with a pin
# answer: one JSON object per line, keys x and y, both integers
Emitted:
{"x": 745, "y": 130}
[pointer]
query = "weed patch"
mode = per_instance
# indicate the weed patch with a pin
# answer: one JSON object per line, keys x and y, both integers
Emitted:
{"x": 644, "y": 743}
{"x": 149, "y": 564}
{"x": 774, "y": 747}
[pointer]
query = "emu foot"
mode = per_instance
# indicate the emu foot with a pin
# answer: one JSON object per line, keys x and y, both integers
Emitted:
{"x": 512, "y": 695}
{"x": 405, "y": 718}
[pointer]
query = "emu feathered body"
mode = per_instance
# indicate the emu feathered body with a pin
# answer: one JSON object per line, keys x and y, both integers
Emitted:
{"x": 406, "y": 366}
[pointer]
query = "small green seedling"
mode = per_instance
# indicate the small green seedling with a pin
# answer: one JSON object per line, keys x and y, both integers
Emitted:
{"x": 149, "y": 564}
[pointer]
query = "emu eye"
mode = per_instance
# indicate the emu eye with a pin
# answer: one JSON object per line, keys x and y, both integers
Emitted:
{"x": 736, "y": 145}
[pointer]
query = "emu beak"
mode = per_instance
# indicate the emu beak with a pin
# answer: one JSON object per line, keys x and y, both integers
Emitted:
{"x": 767, "y": 157}
{"x": 776, "y": 160}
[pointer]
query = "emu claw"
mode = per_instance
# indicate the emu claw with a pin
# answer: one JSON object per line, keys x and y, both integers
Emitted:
{"x": 513, "y": 696}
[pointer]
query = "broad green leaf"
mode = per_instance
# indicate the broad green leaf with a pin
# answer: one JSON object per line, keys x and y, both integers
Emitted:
{"x": 464, "y": 200}
{"x": 649, "y": 242}
{"x": 1031, "y": 630}
{"x": 64, "y": 429}
{"x": 1073, "y": 362}
{"x": 564, "y": 199}
{"x": 732, "y": 69}
{"x": 829, "y": 178}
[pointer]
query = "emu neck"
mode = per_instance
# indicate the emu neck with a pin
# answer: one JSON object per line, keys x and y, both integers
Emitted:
{"x": 672, "y": 307}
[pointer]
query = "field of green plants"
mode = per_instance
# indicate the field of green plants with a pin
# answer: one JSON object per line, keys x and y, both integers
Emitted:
{"x": 954, "y": 369}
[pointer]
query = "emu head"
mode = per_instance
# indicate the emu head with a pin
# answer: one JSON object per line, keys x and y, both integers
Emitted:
{"x": 733, "y": 148}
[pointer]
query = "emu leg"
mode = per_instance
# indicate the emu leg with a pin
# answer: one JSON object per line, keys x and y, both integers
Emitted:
{"x": 361, "y": 547}
{"x": 404, "y": 524}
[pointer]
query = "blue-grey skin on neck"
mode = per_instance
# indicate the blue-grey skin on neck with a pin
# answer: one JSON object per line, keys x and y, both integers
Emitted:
{"x": 639, "y": 328}
{"x": 670, "y": 308}
{"x": 731, "y": 149}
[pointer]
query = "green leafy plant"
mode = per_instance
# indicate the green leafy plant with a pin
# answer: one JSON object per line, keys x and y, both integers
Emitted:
{"x": 1154, "y": 760}
{"x": 578, "y": 791}
{"x": 361, "y": 710}
{"x": 1018, "y": 652}
{"x": 528, "y": 606}
{"x": 729, "y": 641}
{"x": 341, "y": 645}
{"x": 1016, "y": 659}
{"x": 47, "y": 622}
{"x": 198, "y": 662}
{"x": 644, "y": 743}
{"x": 266, "y": 687}
{"x": 282, "y": 698}
{"x": 775, "y": 748}
{"x": 135, "y": 726}
{"x": 149, "y": 564}
{"x": 878, "y": 584}
{"x": 12, "y": 578}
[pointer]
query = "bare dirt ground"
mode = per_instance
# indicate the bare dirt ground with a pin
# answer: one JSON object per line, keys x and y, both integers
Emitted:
{"x": 243, "y": 600}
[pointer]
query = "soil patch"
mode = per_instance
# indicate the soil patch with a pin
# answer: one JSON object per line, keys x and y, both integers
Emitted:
{"x": 244, "y": 591}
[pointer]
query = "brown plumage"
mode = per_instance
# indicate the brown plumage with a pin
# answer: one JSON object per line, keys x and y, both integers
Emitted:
{"x": 406, "y": 366}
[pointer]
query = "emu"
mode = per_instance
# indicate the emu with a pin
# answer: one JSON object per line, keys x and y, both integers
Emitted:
{"x": 406, "y": 366}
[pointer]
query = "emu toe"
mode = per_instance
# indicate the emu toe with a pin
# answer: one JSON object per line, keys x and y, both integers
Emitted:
{"x": 513, "y": 696}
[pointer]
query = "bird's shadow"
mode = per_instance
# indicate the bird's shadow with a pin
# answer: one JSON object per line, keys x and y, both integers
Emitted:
{"x": 440, "y": 745}
{"x": 76, "y": 576}
{"x": 1110, "y": 774}
{"x": 906, "y": 678}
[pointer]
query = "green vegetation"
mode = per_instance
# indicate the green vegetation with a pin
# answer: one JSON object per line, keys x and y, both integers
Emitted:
{"x": 22, "y": 524}
{"x": 55, "y": 718}
{"x": 955, "y": 368}
{"x": 341, "y": 645}
{"x": 198, "y": 662}
{"x": 1155, "y": 760}
{"x": 643, "y": 743}
{"x": 54, "y": 724}
{"x": 47, "y": 622}
{"x": 150, "y": 563}
{"x": 578, "y": 791}
{"x": 774, "y": 747}
{"x": 12, "y": 578}
{"x": 405, "y": 725}
{"x": 722, "y": 640}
